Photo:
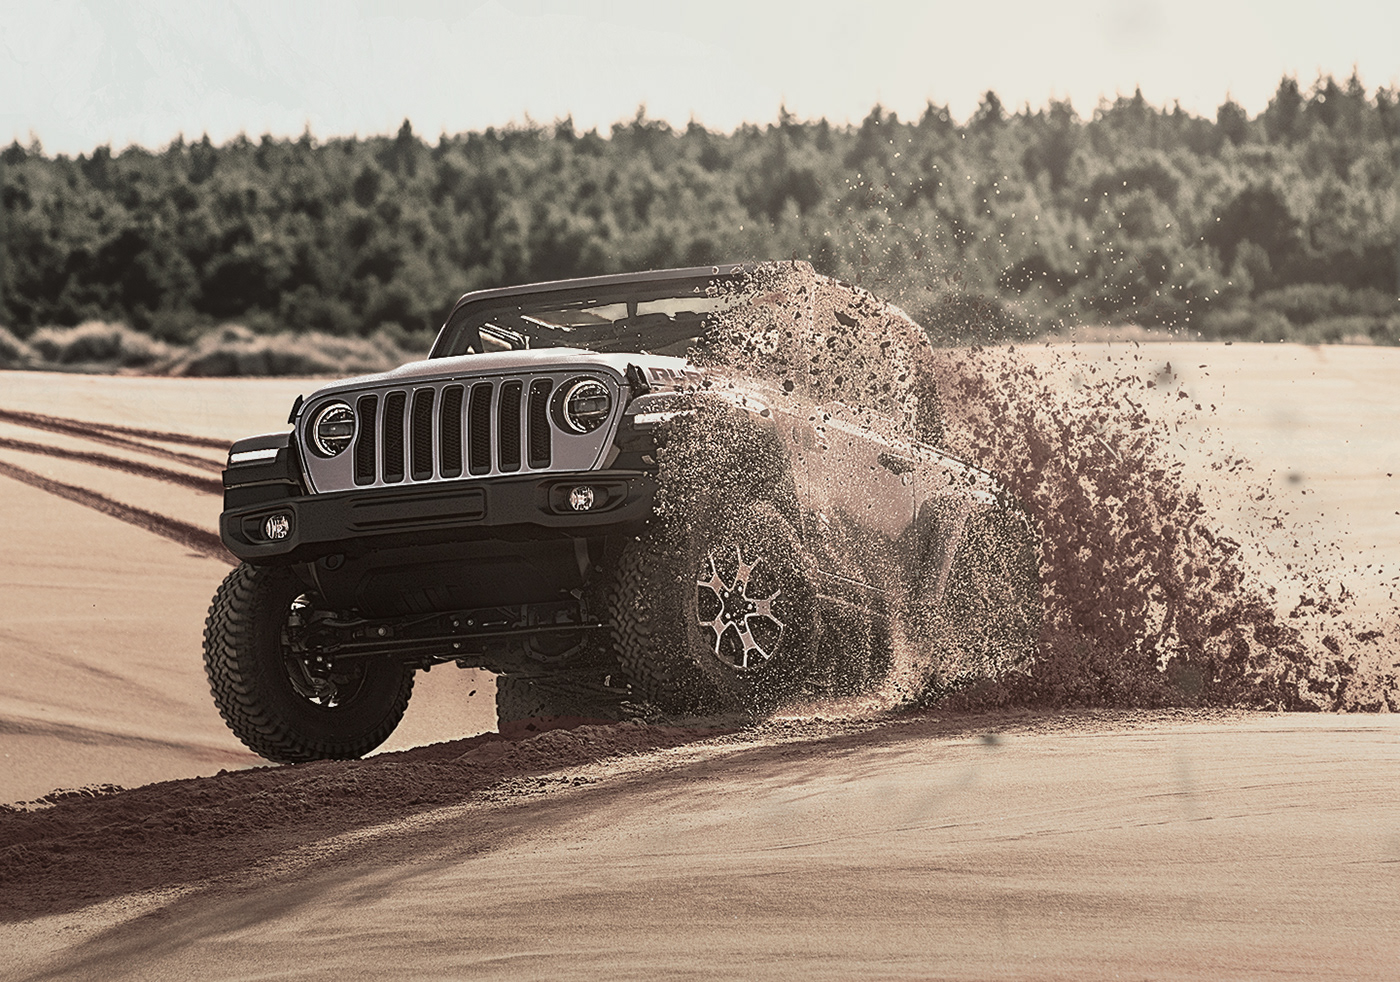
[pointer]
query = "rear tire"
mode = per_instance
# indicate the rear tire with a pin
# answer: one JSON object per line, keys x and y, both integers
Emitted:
{"x": 985, "y": 622}
{"x": 854, "y": 648}
{"x": 283, "y": 706}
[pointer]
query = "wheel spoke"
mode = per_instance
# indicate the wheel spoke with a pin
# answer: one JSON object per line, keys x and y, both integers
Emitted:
{"x": 743, "y": 573}
{"x": 750, "y": 645}
{"x": 737, "y": 611}
{"x": 764, "y": 608}
{"x": 719, "y": 626}
{"x": 715, "y": 583}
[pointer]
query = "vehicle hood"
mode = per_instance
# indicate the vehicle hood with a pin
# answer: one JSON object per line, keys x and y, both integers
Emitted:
{"x": 660, "y": 371}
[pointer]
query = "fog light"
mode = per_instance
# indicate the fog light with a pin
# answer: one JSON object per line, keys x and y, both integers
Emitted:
{"x": 581, "y": 498}
{"x": 277, "y": 527}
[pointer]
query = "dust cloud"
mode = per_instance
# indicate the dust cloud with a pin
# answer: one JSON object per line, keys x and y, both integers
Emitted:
{"x": 1147, "y": 600}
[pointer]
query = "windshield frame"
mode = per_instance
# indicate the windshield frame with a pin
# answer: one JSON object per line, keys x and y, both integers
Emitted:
{"x": 461, "y": 333}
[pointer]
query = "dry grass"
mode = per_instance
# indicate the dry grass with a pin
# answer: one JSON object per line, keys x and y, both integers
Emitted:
{"x": 228, "y": 350}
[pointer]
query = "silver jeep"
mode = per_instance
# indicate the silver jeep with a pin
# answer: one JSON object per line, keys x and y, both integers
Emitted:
{"x": 687, "y": 491}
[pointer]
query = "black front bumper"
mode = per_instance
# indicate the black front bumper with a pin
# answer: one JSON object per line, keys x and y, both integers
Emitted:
{"x": 529, "y": 507}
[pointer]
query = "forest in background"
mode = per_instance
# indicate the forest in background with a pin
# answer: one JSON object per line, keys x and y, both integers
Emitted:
{"x": 1284, "y": 226}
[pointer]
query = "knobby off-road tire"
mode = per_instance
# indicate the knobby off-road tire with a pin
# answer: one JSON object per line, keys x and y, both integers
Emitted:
{"x": 251, "y": 668}
{"x": 715, "y": 617}
{"x": 986, "y": 621}
{"x": 853, "y": 653}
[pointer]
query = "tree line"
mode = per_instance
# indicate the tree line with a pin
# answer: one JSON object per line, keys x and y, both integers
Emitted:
{"x": 1282, "y": 225}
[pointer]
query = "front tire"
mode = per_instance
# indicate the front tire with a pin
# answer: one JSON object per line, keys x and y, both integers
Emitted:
{"x": 283, "y": 704}
{"x": 716, "y": 617}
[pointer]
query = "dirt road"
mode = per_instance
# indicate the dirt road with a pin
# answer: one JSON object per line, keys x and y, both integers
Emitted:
{"x": 1163, "y": 846}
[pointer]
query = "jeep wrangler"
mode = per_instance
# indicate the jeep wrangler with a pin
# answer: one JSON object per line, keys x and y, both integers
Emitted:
{"x": 599, "y": 490}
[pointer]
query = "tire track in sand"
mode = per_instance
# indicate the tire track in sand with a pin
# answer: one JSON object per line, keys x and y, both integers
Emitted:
{"x": 208, "y": 485}
{"x": 162, "y": 436}
{"x": 113, "y": 435}
{"x": 192, "y": 537}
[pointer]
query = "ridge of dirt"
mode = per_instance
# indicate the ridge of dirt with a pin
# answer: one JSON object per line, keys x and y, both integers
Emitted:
{"x": 90, "y": 845}
{"x": 208, "y": 485}
{"x": 199, "y": 540}
{"x": 98, "y": 843}
{"x": 108, "y": 433}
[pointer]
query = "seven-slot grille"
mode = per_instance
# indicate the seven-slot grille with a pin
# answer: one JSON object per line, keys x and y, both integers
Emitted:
{"x": 441, "y": 431}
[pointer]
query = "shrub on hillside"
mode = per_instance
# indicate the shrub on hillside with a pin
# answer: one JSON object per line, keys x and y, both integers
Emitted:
{"x": 1308, "y": 303}
{"x": 14, "y": 353}
{"x": 1358, "y": 329}
{"x": 1385, "y": 331}
{"x": 1259, "y": 324}
{"x": 235, "y": 350}
{"x": 1245, "y": 324}
{"x": 98, "y": 343}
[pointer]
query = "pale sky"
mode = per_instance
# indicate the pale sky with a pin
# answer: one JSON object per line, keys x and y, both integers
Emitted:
{"x": 80, "y": 73}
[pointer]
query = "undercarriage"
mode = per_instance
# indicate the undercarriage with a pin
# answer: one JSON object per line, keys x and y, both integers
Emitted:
{"x": 499, "y": 639}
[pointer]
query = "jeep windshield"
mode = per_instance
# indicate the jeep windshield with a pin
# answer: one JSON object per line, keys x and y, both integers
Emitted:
{"x": 663, "y": 316}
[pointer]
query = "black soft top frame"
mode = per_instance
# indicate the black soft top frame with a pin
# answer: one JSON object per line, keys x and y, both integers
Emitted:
{"x": 508, "y": 304}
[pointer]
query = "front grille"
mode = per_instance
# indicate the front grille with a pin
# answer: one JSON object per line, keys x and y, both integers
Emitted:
{"x": 423, "y": 434}
{"x": 368, "y": 409}
{"x": 509, "y": 441}
{"x": 393, "y": 438}
{"x": 479, "y": 429}
{"x": 451, "y": 430}
{"x": 541, "y": 440}
{"x": 451, "y": 459}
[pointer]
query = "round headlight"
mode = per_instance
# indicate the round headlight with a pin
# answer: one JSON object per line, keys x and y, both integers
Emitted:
{"x": 585, "y": 406}
{"x": 333, "y": 428}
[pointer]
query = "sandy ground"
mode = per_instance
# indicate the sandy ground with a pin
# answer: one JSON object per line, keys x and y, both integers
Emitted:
{"x": 1148, "y": 845}
{"x": 1162, "y": 846}
{"x": 100, "y": 620}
